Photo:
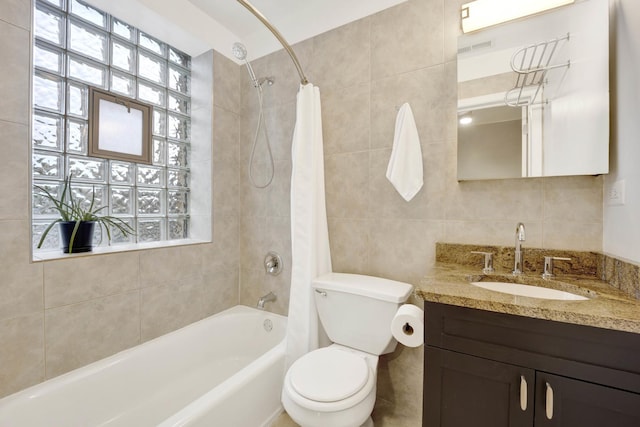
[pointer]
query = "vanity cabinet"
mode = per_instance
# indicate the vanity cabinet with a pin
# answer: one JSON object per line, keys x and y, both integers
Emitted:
{"x": 463, "y": 390}
{"x": 486, "y": 369}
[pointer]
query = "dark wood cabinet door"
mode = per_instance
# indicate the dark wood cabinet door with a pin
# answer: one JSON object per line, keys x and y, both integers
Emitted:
{"x": 577, "y": 403}
{"x": 467, "y": 391}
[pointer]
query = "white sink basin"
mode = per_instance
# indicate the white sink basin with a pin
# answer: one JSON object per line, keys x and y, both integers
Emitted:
{"x": 529, "y": 291}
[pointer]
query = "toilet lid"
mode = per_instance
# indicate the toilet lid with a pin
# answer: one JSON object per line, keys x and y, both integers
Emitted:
{"x": 328, "y": 375}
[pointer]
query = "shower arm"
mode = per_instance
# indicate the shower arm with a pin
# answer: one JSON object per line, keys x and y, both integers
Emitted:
{"x": 276, "y": 33}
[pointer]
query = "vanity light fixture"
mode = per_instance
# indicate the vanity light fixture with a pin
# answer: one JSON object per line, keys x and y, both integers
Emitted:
{"x": 480, "y": 14}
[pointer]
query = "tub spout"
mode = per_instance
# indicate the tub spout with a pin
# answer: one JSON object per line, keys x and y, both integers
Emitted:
{"x": 267, "y": 298}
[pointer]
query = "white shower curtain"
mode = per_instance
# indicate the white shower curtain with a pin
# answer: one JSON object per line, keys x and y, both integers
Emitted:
{"x": 309, "y": 234}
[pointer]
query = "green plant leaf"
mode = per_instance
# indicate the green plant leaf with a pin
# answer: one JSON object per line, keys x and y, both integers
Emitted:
{"x": 73, "y": 235}
{"x": 46, "y": 231}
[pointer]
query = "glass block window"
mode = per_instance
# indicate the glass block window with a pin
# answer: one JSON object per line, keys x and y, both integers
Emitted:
{"x": 77, "y": 46}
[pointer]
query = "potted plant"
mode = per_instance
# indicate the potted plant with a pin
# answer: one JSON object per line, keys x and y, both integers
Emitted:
{"x": 77, "y": 221}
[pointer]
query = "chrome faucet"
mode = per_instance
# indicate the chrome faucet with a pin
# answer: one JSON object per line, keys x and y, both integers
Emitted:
{"x": 267, "y": 298}
{"x": 520, "y": 237}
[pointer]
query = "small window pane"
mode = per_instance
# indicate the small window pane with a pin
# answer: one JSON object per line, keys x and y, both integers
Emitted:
{"x": 150, "y": 201}
{"x": 150, "y": 230}
{"x": 152, "y": 68}
{"x": 57, "y": 3}
{"x": 152, "y": 94}
{"x": 88, "y": 41}
{"x": 179, "y": 104}
{"x": 177, "y": 154}
{"x": 53, "y": 238}
{"x": 179, "y": 80}
{"x": 47, "y": 165}
{"x": 179, "y": 58}
{"x": 123, "y": 56}
{"x": 177, "y": 178}
{"x": 47, "y": 131}
{"x": 178, "y": 202}
{"x": 152, "y": 44}
{"x": 84, "y": 195}
{"x": 97, "y": 236}
{"x": 150, "y": 175}
{"x": 178, "y": 228}
{"x": 77, "y": 100}
{"x": 41, "y": 205}
{"x": 123, "y": 30}
{"x": 123, "y": 83}
{"x": 48, "y": 92}
{"x": 83, "y": 168}
{"x": 159, "y": 149}
{"x": 178, "y": 127}
{"x": 48, "y": 59}
{"x": 77, "y": 132}
{"x": 88, "y": 13}
{"x": 118, "y": 238}
{"x": 88, "y": 72}
{"x": 49, "y": 26}
{"x": 121, "y": 172}
{"x": 122, "y": 201}
{"x": 159, "y": 123}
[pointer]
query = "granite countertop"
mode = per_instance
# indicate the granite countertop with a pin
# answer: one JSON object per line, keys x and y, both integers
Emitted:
{"x": 607, "y": 306}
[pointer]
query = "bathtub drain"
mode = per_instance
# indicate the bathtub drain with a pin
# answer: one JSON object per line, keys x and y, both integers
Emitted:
{"x": 268, "y": 325}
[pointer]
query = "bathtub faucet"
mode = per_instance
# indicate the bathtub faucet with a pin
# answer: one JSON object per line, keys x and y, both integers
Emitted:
{"x": 267, "y": 298}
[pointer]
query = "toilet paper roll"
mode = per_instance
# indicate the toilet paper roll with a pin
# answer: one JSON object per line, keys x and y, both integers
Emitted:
{"x": 407, "y": 325}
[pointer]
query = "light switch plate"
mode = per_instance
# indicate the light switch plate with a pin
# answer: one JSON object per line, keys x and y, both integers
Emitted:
{"x": 616, "y": 193}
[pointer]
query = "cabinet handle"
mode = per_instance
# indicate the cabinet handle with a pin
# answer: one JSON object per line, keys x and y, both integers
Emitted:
{"x": 523, "y": 393}
{"x": 549, "y": 402}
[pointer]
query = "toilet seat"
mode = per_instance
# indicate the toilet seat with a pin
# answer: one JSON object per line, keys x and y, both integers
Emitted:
{"x": 328, "y": 375}
{"x": 358, "y": 397}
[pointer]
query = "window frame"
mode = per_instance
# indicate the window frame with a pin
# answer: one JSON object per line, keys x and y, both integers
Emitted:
{"x": 96, "y": 119}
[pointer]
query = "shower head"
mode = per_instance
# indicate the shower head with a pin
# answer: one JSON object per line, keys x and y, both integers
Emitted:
{"x": 239, "y": 51}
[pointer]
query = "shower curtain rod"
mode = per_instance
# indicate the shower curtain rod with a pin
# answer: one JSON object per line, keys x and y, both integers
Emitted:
{"x": 276, "y": 33}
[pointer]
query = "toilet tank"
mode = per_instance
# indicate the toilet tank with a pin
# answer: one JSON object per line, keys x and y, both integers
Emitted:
{"x": 356, "y": 310}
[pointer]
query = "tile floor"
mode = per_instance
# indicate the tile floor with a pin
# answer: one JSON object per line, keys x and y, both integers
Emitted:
{"x": 383, "y": 416}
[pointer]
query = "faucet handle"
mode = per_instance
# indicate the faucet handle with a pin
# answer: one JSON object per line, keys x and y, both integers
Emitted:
{"x": 488, "y": 261}
{"x": 548, "y": 265}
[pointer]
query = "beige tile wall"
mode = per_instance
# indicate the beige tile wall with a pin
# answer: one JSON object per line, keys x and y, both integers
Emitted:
{"x": 365, "y": 70}
{"x": 59, "y": 315}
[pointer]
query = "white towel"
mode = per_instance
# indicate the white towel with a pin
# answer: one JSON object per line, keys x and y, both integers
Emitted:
{"x": 405, "y": 164}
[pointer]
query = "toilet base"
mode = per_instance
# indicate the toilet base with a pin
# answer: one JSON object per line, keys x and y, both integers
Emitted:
{"x": 351, "y": 417}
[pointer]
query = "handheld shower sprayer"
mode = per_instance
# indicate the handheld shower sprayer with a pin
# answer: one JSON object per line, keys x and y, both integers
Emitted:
{"x": 240, "y": 52}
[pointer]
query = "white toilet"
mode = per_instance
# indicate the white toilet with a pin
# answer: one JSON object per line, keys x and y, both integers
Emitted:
{"x": 336, "y": 386}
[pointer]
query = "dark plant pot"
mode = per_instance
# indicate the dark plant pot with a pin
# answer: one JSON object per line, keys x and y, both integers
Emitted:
{"x": 83, "y": 241}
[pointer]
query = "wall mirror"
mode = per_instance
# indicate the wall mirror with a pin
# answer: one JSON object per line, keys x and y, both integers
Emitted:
{"x": 533, "y": 95}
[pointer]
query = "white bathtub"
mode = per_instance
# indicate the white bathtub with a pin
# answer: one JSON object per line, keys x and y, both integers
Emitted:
{"x": 223, "y": 371}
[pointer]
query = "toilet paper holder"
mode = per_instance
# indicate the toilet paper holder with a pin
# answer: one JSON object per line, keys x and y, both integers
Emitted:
{"x": 407, "y": 326}
{"x": 407, "y": 329}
